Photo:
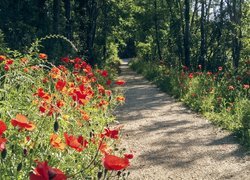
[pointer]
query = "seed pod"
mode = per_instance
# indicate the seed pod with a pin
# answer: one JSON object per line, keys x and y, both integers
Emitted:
{"x": 19, "y": 167}
{"x": 49, "y": 157}
{"x": 25, "y": 152}
{"x": 99, "y": 175}
{"x": 56, "y": 126}
{"x": 4, "y": 154}
{"x": 119, "y": 173}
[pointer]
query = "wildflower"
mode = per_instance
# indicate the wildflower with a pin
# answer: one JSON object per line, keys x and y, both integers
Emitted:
{"x": 26, "y": 70}
{"x": 24, "y": 60}
{"x": 120, "y": 82}
{"x": 191, "y": 75}
{"x": 129, "y": 156}
{"x": 6, "y": 67}
{"x": 59, "y": 103}
{"x": 230, "y": 88}
{"x": 22, "y": 122}
{"x": 245, "y": 86}
{"x": 45, "y": 172}
{"x": 108, "y": 82}
{"x": 2, "y": 143}
{"x": 209, "y": 73}
{"x": 56, "y": 142}
{"x": 55, "y": 73}
{"x": 9, "y": 62}
{"x": 120, "y": 98}
{"x": 3, "y": 127}
{"x": 199, "y": 66}
{"x": 40, "y": 93}
{"x": 111, "y": 133}
{"x": 77, "y": 143}
{"x": 65, "y": 60}
{"x": 2, "y": 58}
{"x": 43, "y": 56}
{"x": 77, "y": 60}
{"x": 60, "y": 85}
{"x": 220, "y": 68}
{"x": 104, "y": 73}
{"x": 101, "y": 89}
{"x": 112, "y": 162}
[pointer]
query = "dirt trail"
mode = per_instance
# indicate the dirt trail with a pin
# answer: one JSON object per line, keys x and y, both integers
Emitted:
{"x": 171, "y": 142}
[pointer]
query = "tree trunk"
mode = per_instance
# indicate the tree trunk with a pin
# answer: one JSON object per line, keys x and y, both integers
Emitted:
{"x": 187, "y": 34}
{"x": 68, "y": 27}
{"x": 203, "y": 38}
{"x": 56, "y": 11}
{"x": 157, "y": 30}
{"x": 235, "y": 16}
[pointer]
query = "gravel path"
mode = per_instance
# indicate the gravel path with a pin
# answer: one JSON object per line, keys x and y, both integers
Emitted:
{"x": 171, "y": 142}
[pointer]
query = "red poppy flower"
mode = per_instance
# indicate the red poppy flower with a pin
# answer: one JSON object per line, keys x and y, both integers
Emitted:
{"x": 111, "y": 133}
{"x": 79, "y": 144}
{"x": 77, "y": 60}
{"x": 59, "y": 103}
{"x": 2, "y": 143}
{"x": 2, "y": 58}
{"x": 120, "y": 98}
{"x": 65, "y": 59}
{"x": 230, "y": 88}
{"x": 209, "y": 73}
{"x": 43, "y": 56}
{"x": 22, "y": 122}
{"x": 60, "y": 84}
{"x": 45, "y": 172}
{"x": 6, "y": 67}
{"x": 56, "y": 142}
{"x": 246, "y": 86}
{"x": 3, "y": 127}
{"x": 129, "y": 156}
{"x": 108, "y": 82}
{"x": 9, "y": 61}
{"x": 101, "y": 89}
{"x": 103, "y": 147}
{"x": 104, "y": 73}
{"x": 120, "y": 82}
{"x": 112, "y": 162}
{"x": 40, "y": 93}
{"x": 191, "y": 75}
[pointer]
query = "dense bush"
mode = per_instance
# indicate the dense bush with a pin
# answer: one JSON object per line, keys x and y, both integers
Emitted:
{"x": 222, "y": 96}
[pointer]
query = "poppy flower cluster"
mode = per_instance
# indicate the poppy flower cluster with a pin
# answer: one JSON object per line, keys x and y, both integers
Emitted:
{"x": 3, "y": 128}
{"x": 62, "y": 115}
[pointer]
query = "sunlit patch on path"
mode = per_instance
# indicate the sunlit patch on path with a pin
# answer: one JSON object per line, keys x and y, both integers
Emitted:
{"x": 171, "y": 142}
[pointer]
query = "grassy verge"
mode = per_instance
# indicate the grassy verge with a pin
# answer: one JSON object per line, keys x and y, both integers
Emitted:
{"x": 220, "y": 96}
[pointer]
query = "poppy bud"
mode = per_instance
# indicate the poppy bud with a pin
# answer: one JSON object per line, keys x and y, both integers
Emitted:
{"x": 31, "y": 151}
{"x": 90, "y": 134}
{"x": 49, "y": 157}
{"x": 19, "y": 167}
{"x": 99, "y": 174}
{"x": 56, "y": 126}
{"x": 25, "y": 152}
{"x": 4, "y": 153}
{"x": 119, "y": 173}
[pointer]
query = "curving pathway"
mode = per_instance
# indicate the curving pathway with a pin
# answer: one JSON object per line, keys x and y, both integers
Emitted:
{"x": 171, "y": 142}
